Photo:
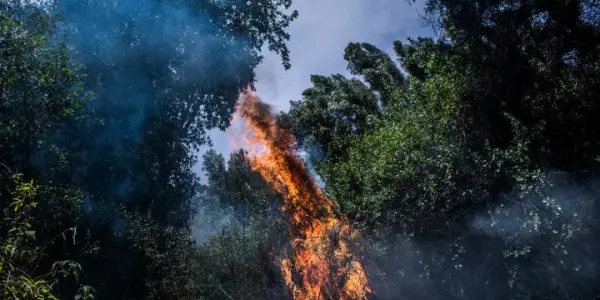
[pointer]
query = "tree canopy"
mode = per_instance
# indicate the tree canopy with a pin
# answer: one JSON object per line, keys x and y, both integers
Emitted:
{"x": 469, "y": 164}
{"x": 102, "y": 104}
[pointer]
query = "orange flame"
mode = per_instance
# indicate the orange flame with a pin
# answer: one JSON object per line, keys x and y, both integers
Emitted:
{"x": 322, "y": 264}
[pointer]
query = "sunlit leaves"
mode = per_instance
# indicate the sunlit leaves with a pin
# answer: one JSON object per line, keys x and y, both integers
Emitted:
{"x": 19, "y": 253}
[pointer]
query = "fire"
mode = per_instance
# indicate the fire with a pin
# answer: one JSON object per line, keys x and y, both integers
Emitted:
{"x": 322, "y": 265}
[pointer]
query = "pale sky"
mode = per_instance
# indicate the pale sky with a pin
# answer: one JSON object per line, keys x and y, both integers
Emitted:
{"x": 318, "y": 38}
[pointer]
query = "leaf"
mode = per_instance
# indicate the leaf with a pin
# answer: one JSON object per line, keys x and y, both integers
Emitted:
{"x": 30, "y": 234}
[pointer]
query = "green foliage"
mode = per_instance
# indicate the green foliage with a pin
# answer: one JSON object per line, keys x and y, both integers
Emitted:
{"x": 167, "y": 255}
{"x": 535, "y": 60}
{"x": 447, "y": 162}
{"x": 20, "y": 253}
{"x": 113, "y": 150}
{"x": 450, "y": 181}
{"x": 377, "y": 68}
{"x": 335, "y": 111}
{"x": 241, "y": 232}
{"x": 39, "y": 85}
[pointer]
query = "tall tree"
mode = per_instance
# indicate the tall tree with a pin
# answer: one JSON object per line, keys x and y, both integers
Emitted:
{"x": 449, "y": 172}
{"x": 41, "y": 89}
{"x": 162, "y": 74}
{"x": 536, "y": 60}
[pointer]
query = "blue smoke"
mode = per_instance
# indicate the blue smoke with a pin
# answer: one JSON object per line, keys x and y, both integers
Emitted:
{"x": 162, "y": 74}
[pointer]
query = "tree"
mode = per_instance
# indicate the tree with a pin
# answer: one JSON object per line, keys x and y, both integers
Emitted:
{"x": 335, "y": 111}
{"x": 247, "y": 231}
{"x": 377, "y": 68}
{"x": 20, "y": 253}
{"x": 162, "y": 73}
{"x": 178, "y": 84}
{"x": 41, "y": 89}
{"x": 449, "y": 180}
{"x": 536, "y": 60}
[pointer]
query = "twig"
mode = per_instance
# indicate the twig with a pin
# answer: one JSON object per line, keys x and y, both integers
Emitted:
{"x": 224, "y": 292}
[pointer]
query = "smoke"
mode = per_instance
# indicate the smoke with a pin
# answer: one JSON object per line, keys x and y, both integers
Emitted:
{"x": 540, "y": 242}
{"x": 210, "y": 219}
{"x": 233, "y": 199}
{"x": 148, "y": 57}
{"x": 522, "y": 220}
{"x": 162, "y": 74}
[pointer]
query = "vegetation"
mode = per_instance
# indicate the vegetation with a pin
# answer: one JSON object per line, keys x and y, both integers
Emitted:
{"x": 471, "y": 169}
{"x": 469, "y": 164}
{"x": 101, "y": 105}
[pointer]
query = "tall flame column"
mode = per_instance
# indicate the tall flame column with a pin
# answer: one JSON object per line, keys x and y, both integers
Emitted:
{"x": 322, "y": 265}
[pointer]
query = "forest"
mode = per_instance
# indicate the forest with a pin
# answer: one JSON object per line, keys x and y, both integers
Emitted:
{"x": 465, "y": 165}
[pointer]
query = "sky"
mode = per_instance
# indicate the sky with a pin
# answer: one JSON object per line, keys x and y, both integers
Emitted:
{"x": 318, "y": 38}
